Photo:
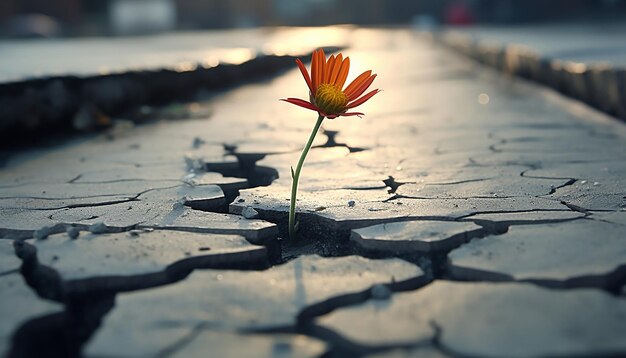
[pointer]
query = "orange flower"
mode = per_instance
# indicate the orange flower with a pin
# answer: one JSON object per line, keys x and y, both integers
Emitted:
{"x": 326, "y": 92}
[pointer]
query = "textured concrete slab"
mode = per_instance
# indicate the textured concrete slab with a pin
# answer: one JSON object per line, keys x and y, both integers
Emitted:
{"x": 473, "y": 182}
{"x": 132, "y": 254}
{"x": 186, "y": 219}
{"x": 419, "y": 352}
{"x": 512, "y": 320}
{"x": 21, "y": 223}
{"x": 414, "y": 236}
{"x": 227, "y": 300}
{"x": 171, "y": 216}
{"x": 570, "y": 254}
{"x": 8, "y": 260}
{"x": 616, "y": 217}
{"x": 598, "y": 186}
{"x": 268, "y": 346}
{"x": 339, "y": 215}
{"x": 530, "y": 217}
{"x": 202, "y": 342}
{"x": 19, "y": 304}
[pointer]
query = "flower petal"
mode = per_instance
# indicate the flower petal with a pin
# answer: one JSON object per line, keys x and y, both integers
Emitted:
{"x": 329, "y": 68}
{"x": 324, "y": 68}
{"x": 314, "y": 71}
{"x": 305, "y": 74}
{"x": 359, "y": 90}
{"x": 302, "y": 103}
{"x": 334, "y": 70}
{"x": 357, "y": 82}
{"x": 343, "y": 73}
{"x": 317, "y": 68}
{"x": 363, "y": 99}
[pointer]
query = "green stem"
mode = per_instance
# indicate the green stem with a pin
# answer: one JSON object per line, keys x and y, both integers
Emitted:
{"x": 295, "y": 176}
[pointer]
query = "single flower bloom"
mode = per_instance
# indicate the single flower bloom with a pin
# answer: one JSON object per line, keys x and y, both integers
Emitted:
{"x": 326, "y": 93}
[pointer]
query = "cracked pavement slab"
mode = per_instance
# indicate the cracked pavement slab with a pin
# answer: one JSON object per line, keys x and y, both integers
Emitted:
{"x": 199, "y": 342}
{"x": 235, "y": 300}
{"x": 427, "y": 169}
{"x": 582, "y": 253}
{"x": 135, "y": 253}
{"x": 19, "y": 305}
{"x": 543, "y": 322}
{"x": 414, "y": 236}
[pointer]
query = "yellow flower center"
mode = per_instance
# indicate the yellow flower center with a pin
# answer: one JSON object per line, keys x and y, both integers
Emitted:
{"x": 330, "y": 99}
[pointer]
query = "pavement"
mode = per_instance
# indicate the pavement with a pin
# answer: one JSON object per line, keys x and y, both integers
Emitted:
{"x": 584, "y": 60}
{"x": 468, "y": 214}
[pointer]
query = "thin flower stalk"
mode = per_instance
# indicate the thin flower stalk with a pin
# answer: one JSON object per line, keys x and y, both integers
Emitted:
{"x": 329, "y": 98}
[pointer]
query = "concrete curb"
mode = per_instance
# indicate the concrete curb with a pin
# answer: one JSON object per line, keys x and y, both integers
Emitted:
{"x": 599, "y": 85}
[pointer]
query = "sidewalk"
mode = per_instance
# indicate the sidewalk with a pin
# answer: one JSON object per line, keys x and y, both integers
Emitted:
{"x": 586, "y": 61}
{"x": 467, "y": 214}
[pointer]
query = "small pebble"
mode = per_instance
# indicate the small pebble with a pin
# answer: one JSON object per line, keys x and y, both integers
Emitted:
{"x": 134, "y": 233}
{"x": 72, "y": 232}
{"x": 43, "y": 233}
{"x": 98, "y": 228}
{"x": 249, "y": 213}
{"x": 148, "y": 229}
{"x": 380, "y": 292}
{"x": 351, "y": 203}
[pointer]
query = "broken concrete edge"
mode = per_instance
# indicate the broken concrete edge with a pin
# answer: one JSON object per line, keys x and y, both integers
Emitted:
{"x": 599, "y": 85}
{"x": 308, "y": 314}
{"x": 49, "y": 284}
{"x": 34, "y": 108}
{"x": 611, "y": 281}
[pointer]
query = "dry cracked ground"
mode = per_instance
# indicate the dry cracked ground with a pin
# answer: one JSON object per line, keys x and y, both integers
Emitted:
{"x": 467, "y": 215}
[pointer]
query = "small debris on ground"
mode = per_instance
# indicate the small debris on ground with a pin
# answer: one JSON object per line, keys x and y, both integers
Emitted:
{"x": 249, "y": 213}
{"x": 98, "y": 228}
{"x": 72, "y": 232}
{"x": 43, "y": 233}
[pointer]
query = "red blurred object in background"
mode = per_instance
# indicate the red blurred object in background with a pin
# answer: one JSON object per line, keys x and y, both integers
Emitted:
{"x": 458, "y": 13}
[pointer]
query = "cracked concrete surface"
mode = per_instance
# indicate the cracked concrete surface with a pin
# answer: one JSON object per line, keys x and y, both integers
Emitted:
{"x": 429, "y": 189}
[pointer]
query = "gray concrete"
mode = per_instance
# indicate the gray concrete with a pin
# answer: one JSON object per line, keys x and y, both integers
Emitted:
{"x": 132, "y": 253}
{"x": 477, "y": 319}
{"x": 571, "y": 254}
{"x": 580, "y": 42}
{"x": 414, "y": 236}
{"x": 585, "y": 60}
{"x": 231, "y": 300}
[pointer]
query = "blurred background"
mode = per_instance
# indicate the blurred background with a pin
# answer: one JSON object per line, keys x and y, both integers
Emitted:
{"x": 57, "y": 18}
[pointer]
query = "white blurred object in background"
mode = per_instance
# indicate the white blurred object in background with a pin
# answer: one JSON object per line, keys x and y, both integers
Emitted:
{"x": 130, "y": 17}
